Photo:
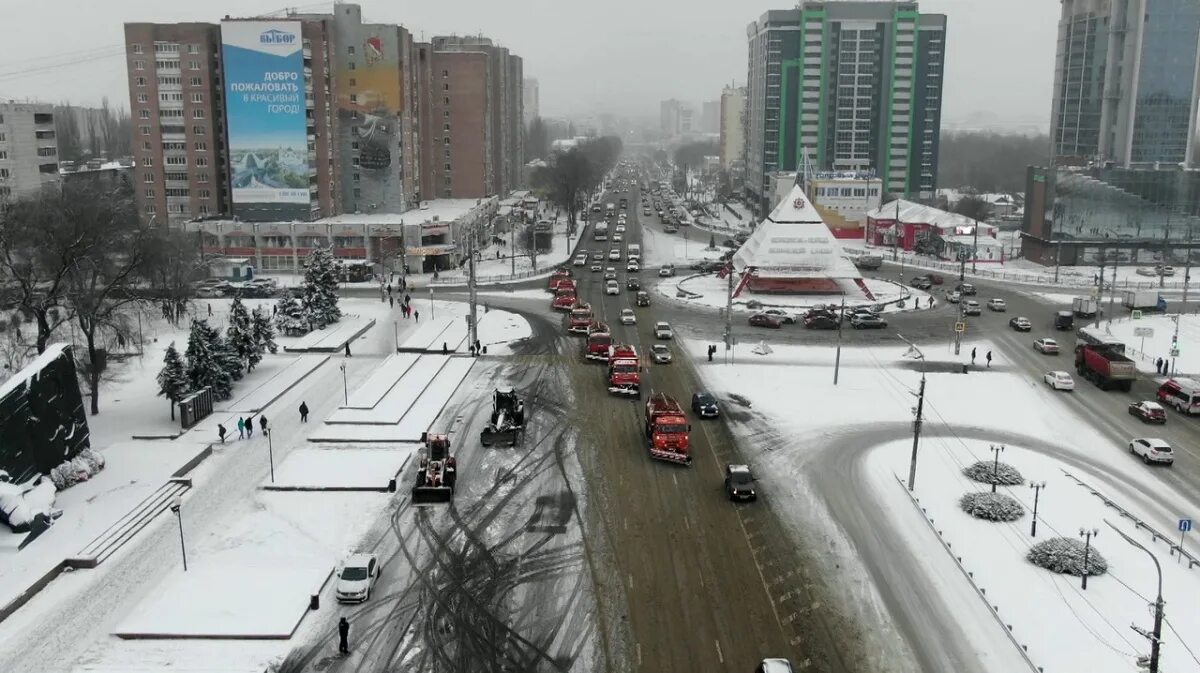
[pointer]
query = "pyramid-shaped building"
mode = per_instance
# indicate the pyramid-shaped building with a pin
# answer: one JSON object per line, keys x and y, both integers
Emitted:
{"x": 794, "y": 252}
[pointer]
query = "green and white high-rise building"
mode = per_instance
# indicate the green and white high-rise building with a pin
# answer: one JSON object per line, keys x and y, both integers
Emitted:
{"x": 855, "y": 84}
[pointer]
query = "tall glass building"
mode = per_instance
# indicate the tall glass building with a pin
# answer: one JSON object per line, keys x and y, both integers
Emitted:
{"x": 1126, "y": 82}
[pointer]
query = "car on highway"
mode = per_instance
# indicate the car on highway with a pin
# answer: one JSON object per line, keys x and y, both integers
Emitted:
{"x": 596, "y": 267}
{"x": 614, "y": 255}
{"x": 620, "y": 229}
{"x": 921, "y": 283}
{"x": 356, "y": 577}
{"x": 1046, "y": 346}
{"x": 705, "y": 405}
{"x": 610, "y": 273}
{"x": 787, "y": 318}
{"x": 953, "y": 296}
{"x": 1059, "y": 380}
{"x": 597, "y": 257}
{"x": 1149, "y": 412}
{"x": 661, "y": 354}
{"x": 972, "y": 307}
{"x": 739, "y": 483}
{"x": 937, "y": 278}
{"x": 1181, "y": 393}
{"x": 1021, "y": 324}
{"x": 611, "y": 287}
{"x": 765, "y": 320}
{"x": 666, "y": 271}
{"x": 633, "y": 284}
{"x": 646, "y": 212}
{"x": 633, "y": 266}
{"x": 643, "y": 298}
{"x": 997, "y": 304}
{"x": 662, "y": 330}
{"x": 867, "y": 321}
{"x": 774, "y": 666}
{"x": 580, "y": 260}
{"x": 820, "y": 321}
{"x": 617, "y": 238}
{"x": 967, "y": 289}
{"x": 1152, "y": 450}
{"x": 628, "y": 317}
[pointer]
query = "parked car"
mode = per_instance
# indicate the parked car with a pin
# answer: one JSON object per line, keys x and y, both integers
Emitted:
{"x": 867, "y": 321}
{"x": 820, "y": 321}
{"x": 663, "y": 330}
{"x": 972, "y": 307}
{"x": 1152, "y": 450}
{"x": 1021, "y": 324}
{"x": 764, "y": 320}
{"x": 705, "y": 405}
{"x": 1046, "y": 346}
{"x": 628, "y": 317}
{"x": 1149, "y": 412}
{"x": 356, "y": 577}
{"x": 209, "y": 292}
{"x": 661, "y": 354}
{"x": 611, "y": 287}
{"x": 1059, "y": 380}
{"x": 739, "y": 483}
{"x": 787, "y": 318}
{"x": 998, "y": 305}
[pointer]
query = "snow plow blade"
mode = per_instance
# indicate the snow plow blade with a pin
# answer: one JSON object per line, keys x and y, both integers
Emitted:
{"x": 430, "y": 495}
{"x": 491, "y": 436}
{"x": 671, "y": 457}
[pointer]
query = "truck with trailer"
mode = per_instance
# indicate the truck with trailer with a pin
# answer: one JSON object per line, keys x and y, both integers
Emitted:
{"x": 624, "y": 372}
{"x": 1105, "y": 366}
{"x": 1140, "y": 299}
{"x": 599, "y": 340}
{"x": 667, "y": 429}
{"x": 580, "y": 318}
{"x": 1085, "y": 307}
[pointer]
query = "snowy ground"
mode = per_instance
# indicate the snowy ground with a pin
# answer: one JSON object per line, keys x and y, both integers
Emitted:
{"x": 711, "y": 291}
{"x": 1144, "y": 350}
{"x": 872, "y": 405}
{"x": 339, "y": 468}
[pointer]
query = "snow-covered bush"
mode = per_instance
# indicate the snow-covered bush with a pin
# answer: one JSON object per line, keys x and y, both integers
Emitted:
{"x": 80, "y": 468}
{"x": 987, "y": 472}
{"x": 1065, "y": 555}
{"x": 991, "y": 506}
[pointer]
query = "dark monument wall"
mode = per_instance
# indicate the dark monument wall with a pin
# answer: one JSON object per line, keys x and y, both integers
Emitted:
{"x": 43, "y": 421}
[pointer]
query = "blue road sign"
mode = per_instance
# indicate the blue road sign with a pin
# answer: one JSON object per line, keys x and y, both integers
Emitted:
{"x": 1185, "y": 525}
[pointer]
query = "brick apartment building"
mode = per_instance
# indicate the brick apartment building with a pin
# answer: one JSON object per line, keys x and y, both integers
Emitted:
{"x": 28, "y": 148}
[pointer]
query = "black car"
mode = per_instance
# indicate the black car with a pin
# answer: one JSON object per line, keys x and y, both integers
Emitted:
{"x": 633, "y": 284}
{"x": 966, "y": 289}
{"x": 705, "y": 405}
{"x": 739, "y": 483}
{"x": 821, "y": 321}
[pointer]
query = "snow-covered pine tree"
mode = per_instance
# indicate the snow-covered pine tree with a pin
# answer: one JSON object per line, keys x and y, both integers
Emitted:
{"x": 204, "y": 361}
{"x": 172, "y": 378}
{"x": 239, "y": 335}
{"x": 320, "y": 288}
{"x": 263, "y": 330}
{"x": 225, "y": 355}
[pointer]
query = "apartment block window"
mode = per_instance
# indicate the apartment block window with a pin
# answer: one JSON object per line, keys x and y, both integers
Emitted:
{"x": 199, "y": 130}
{"x": 145, "y": 145}
{"x": 353, "y": 82}
{"x": 203, "y": 209}
{"x": 197, "y": 81}
{"x": 446, "y": 100}
{"x": 355, "y": 177}
{"x": 3, "y": 155}
{"x": 170, "y": 114}
{"x": 143, "y": 114}
{"x": 350, "y": 50}
{"x": 143, "y": 98}
{"x": 202, "y": 178}
{"x": 137, "y": 49}
{"x": 145, "y": 130}
{"x": 147, "y": 160}
{"x": 201, "y": 161}
{"x": 447, "y": 152}
{"x": 445, "y": 74}
{"x": 446, "y": 140}
{"x": 353, "y": 98}
{"x": 169, "y": 65}
{"x": 357, "y": 193}
{"x": 448, "y": 181}
{"x": 5, "y": 173}
{"x": 176, "y": 161}
{"x": 445, "y": 127}
{"x": 354, "y": 161}
{"x": 171, "y": 97}
{"x": 139, "y": 65}
{"x": 47, "y": 151}
{"x": 445, "y": 87}
{"x": 198, "y": 113}
{"x": 150, "y": 209}
{"x": 446, "y": 193}
{"x": 197, "y": 97}
{"x": 193, "y": 49}
{"x": 170, "y": 81}
{"x": 352, "y": 66}
{"x": 448, "y": 167}
{"x": 140, "y": 81}
{"x": 446, "y": 113}
{"x": 193, "y": 65}
{"x": 148, "y": 177}
{"x": 200, "y": 146}
{"x": 150, "y": 193}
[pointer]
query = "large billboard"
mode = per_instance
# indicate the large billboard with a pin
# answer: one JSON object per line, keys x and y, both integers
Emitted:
{"x": 265, "y": 117}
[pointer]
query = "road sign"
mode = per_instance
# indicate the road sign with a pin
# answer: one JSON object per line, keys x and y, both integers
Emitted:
{"x": 1143, "y": 331}
{"x": 1174, "y": 352}
{"x": 1185, "y": 525}
{"x": 1136, "y": 315}
{"x": 960, "y": 327}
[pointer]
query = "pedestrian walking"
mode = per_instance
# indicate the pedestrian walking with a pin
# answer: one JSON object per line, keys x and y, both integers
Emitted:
{"x": 417, "y": 316}
{"x": 241, "y": 428}
{"x": 262, "y": 423}
{"x": 1158, "y": 365}
{"x": 989, "y": 359}
{"x": 391, "y": 301}
{"x": 972, "y": 356}
{"x": 407, "y": 299}
{"x": 303, "y": 412}
{"x": 221, "y": 432}
{"x": 343, "y": 636}
{"x": 389, "y": 289}
{"x": 347, "y": 349}
{"x": 930, "y": 302}
{"x": 210, "y": 310}
{"x": 249, "y": 427}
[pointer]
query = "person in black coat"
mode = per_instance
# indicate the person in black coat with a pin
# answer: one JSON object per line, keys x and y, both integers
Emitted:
{"x": 343, "y": 636}
{"x": 221, "y": 432}
{"x": 262, "y": 423}
{"x": 303, "y": 412}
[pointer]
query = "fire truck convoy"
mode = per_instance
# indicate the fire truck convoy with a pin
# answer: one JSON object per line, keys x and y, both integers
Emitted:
{"x": 580, "y": 318}
{"x": 564, "y": 295}
{"x": 624, "y": 371}
{"x": 667, "y": 429}
{"x": 556, "y": 277}
{"x": 599, "y": 340}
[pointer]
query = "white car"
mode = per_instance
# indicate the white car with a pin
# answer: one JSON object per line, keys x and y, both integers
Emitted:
{"x": 998, "y": 305}
{"x": 611, "y": 287}
{"x": 617, "y": 238}
{"x": 596, "y": 268}
{"x": 614, "y": 255}
{"x": 660, "y": 353}
{"x": 1152, "y": 450}
{"x": 633, "y": 267}
{"x": 971, "y": 307}
{"x": 667, "y": 271}
{"x": 620, "y": 229}
{"x": 581, "y": 260}
{"x": 663, "y": 330}
{"x": 1046, "y": 346}
{"x": 356, "y": 577}
{"x": 610, "y": 273}
{"x": 1059, "y": 380}
{"x": 628, "y": 317}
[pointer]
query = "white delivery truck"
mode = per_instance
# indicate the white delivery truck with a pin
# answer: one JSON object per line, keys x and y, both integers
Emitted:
{"x": 1085, "y": 307}
{"x": 1140, "y": 299}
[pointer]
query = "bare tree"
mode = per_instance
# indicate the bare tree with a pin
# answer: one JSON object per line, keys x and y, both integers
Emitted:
{"x": 973, "y": 207}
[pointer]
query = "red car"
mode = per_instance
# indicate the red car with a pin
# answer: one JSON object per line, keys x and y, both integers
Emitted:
{"x": 765, "y": 320}
{"x": 1149, "y": 412}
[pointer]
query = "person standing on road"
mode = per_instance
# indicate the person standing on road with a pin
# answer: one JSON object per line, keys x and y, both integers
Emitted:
{"x": 221, "y": 432}
{"x": 989, "y": 359}
{"x": 972, "y": 356}
{"x": 1158, "y": 365}
{"x": 241, "y": 428}
{"x": 303, "y": 412}
{"x": 417, "y": 316}
{"x": 343, "y": 636}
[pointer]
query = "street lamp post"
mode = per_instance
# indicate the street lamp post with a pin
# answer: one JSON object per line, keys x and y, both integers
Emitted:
{"x": 997, "y": 450}
{"x": 1087, "y": 536}
{"x": 1154, "y": 636}
{"x": 345, "y": 386}
{"x": 176, "y": 506}
{"x": 912, "y": 467}
{"x": 1037, "y": 487}
{"x": 270, "y": 453}
{"x": 837, "y": 360}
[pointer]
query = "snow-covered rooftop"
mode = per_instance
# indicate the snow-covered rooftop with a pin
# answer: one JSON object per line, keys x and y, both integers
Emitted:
{"x": 916, "y": 212}
{"x": 31, "y": 370}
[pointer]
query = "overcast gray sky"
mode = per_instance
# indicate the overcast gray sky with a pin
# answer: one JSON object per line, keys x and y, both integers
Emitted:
{"x": 620, "y": 56}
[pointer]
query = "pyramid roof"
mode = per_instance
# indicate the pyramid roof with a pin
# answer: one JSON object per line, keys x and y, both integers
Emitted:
{"x": 794, "y": 242}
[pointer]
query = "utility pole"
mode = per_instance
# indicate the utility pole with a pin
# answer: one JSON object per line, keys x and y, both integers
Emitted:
{"x": 1099, "y": 289}
{"x": 512, "y": 243}
{"x": 1162, "y": 278}
{"x": 837, "y": 361}
{"x": 1187, "y": 267}
{"x": 1154, "y": 636}
{"x": 912, "y": 466}
{"x": 1113, "y": 294}
{"x": 957, "y": 334}
{"x": 1037, "y": 487}
{"x": 997, "y": 450}
{"x": 472, "y": 332}
{"x": 975, "y": 245}
{"x": 1087, "y": 536}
